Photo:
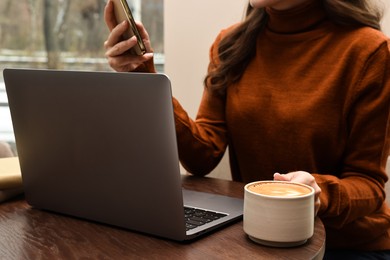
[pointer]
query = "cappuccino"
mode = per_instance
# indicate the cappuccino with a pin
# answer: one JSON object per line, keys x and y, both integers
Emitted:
{"x": 278, "y": 213}
{"x": 279, "y": 189}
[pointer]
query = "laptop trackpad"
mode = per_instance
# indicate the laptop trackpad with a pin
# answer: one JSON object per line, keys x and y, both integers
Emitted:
{"x": 219, "y": 203}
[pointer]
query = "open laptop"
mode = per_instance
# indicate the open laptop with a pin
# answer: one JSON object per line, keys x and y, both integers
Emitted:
{"x": 102, "y": 146}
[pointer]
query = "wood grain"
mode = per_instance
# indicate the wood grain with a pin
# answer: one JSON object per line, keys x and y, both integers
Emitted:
{"x": 27, "y": 233}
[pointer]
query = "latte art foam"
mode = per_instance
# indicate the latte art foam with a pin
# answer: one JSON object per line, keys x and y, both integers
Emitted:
{"x": 279, "y": 189}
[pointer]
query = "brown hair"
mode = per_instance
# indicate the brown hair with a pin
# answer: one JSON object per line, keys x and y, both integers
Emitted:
{"x": 236, "y": 50}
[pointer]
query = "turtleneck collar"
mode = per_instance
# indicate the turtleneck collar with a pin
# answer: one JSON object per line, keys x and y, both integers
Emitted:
{"x": 298, "y": 19}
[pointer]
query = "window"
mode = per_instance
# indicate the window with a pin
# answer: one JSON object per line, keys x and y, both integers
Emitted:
{"x": 63, "y": 34}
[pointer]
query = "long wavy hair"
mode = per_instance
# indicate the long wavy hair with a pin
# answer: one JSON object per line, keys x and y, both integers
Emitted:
{"x": 238, "y": 48}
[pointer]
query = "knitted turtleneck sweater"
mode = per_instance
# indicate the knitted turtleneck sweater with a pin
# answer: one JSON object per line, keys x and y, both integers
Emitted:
{"x": 315, "y": 98}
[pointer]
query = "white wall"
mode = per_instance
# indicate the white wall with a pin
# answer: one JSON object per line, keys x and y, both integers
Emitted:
{"x": 386, "y": 18}
{"x": 190, "y": 28}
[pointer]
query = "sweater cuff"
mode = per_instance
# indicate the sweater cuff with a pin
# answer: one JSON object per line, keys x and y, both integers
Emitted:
{"x": 147, "y": 66}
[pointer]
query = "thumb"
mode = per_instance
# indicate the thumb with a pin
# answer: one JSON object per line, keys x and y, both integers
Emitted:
{"x": 280, "y": 177}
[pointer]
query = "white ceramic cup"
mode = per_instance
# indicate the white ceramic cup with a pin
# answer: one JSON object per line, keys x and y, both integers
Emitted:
{"x": 279, "y": 213}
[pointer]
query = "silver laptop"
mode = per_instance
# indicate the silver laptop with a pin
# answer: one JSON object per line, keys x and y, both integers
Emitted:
{"x": 102, "y": 146}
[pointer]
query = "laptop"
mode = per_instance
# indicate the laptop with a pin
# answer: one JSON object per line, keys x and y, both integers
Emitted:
{"x": 101, "y": 146}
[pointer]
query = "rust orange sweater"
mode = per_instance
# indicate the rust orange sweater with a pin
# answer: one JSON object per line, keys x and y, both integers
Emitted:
{"x": 315, "y": 98}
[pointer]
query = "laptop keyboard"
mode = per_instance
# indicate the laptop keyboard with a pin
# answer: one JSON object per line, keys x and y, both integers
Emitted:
{"x": 196, "y": 217}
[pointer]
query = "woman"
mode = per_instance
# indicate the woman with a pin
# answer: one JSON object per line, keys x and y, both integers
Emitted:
{"x": 298, "y": 91}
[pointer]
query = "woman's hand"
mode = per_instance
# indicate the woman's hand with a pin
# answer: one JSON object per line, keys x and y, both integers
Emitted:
{"x": 117, "y": 50}
{"x": 304, "y": 178}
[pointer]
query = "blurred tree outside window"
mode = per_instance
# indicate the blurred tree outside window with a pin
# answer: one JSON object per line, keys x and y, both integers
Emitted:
{"x": 64, "y": 34}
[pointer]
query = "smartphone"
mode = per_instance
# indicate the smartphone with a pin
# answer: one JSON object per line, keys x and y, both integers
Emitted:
{"x": 122, "y": 12}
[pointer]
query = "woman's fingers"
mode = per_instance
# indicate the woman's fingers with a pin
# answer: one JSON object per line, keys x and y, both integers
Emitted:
{"x": 109, "y": 16}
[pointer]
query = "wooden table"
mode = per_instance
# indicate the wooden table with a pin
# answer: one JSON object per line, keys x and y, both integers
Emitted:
{"x": 27, "y": 233}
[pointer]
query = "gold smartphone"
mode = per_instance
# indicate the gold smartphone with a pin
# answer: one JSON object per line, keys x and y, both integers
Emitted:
{"x": 122, "y": 12}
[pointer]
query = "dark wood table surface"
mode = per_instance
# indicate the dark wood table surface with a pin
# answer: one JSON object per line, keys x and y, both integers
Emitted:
{"x": 28, "y": 233}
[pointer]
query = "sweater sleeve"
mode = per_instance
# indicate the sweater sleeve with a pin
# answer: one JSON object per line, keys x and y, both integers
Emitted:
{"x": 147, "y": 67}
{"x": 359, "y": 191}
{"x": 202, "y": 142}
